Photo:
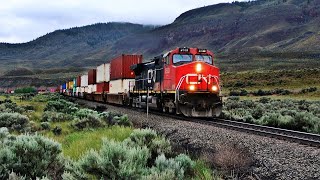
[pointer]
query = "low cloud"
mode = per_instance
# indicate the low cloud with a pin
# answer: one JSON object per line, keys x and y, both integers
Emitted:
{"x": 22, "y": 21}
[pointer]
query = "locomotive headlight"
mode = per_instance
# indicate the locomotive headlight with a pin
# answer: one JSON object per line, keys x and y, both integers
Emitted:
{"x": 198, "y": 68}
{"x": 192, "y": 88}
{"x": 215, "y": 88}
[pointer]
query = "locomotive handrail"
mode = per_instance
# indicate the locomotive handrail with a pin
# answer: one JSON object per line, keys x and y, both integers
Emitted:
{"x": 178, "y": 87}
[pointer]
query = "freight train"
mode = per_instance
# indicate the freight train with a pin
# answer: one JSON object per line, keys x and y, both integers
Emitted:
{"x": 181, "y": 81}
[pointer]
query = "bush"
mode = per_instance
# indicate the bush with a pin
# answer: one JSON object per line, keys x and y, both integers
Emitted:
{"x": 61, "y": 105}
{"x": 25, "y": 90}
{"x": 28, "y": 108}
{"x": 164, "y": 166}
{"x": 46, "y": 97}
{"x": 306, "y": 122}
{"x": 122, "y": 120}
{"x": 11, "y": 107}
{"x": 45, "y": 125}
{"x": 149, "y": 138}
{"x": 30, "y": 156}
{"x": 91, "y": 121}
{"x": 84, "y": 113}
{"x": 51, "y": 116}
{"x": 13, "y": 121}
{"x": 296, "y": 115}
{"x": 73, "y": 171}
{"x": 186, "y": 163}
{"x": 57, "y": 130}
{"x": 116, "y": 160}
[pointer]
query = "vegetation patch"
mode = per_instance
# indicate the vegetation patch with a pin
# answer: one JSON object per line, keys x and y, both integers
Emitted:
{"x": 87, "y": 144}
{"x": 290, "y": 114}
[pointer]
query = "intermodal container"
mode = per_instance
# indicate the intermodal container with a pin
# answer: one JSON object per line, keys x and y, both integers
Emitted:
{"x": 92, "y": 76}
{"x": 92, "y": 88}
{"x": 84, "y": 81}
{"x": 78, "y": 91}
{"x": 79, "y": 81}
{"x": 121, "y": 86}
{"x": 74, "y": 82}
{"x": 120, "y": 66}
{"x": 102, "y": 87}
{"x": 70, "y": 85}
{"x": 103, "y": 73}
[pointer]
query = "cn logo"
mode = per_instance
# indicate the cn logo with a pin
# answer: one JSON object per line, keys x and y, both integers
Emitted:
{"x": 200, "y": 78}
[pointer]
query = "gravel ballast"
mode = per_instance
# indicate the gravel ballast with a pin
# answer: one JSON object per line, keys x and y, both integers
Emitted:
{"x": 271, "y": 158}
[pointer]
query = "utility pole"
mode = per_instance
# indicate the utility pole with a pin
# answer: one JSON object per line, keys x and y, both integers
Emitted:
{"x": 147, "y": 101}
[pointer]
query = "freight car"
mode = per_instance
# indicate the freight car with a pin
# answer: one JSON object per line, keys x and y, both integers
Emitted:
{"x": 182, "y": 81}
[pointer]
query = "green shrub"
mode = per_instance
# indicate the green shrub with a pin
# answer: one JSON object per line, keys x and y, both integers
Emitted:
{"x": 305, "y": 121}
{"x": 57, "y": 130}
{"x": 13, "y": 121}
{"x": 149, "y": 138}
{"x": 61, "y": 105}
{"x": 25, "y": 90}
{"x": 28, "y": 108}
{"x": 91, "y": 121}
{"x": 84, "y": 113}
{"x": 122, "y": 120}
{"x": 45, "y": 125}
{"x": 186, "y": 163}
{"x": 73, "y": 171}
{"x": 116, "y": 160}
{"x": 52, "y": 116}
{"x": 30, "y": 156}
{"x": 168, "y": 166}
{"x": 46, "y": 97}
{"x": 11, "y": 107}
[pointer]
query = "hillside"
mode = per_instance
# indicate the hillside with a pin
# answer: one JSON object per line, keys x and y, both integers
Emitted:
{"x": 73, "y": 46}
{"x": 263, "y": 34}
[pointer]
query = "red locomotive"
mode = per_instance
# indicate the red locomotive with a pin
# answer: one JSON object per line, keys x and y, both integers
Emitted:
{"x": 182, "y": 81}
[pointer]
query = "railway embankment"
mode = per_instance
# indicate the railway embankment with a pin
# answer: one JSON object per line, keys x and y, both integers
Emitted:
{"x": 237, "y": 154}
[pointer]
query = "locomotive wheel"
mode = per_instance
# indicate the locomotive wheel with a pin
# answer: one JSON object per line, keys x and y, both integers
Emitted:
{"x": 165, "y": 109}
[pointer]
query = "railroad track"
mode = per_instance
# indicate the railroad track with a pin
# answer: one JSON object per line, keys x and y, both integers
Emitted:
{"x": 283, "y": 134}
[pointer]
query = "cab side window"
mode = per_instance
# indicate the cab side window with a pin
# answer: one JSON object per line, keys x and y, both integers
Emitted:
{"x": 167, "y": 60}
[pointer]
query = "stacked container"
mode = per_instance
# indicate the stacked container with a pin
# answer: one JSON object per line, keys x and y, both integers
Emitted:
{"x": 103, "y": 78}
{"x": 121, "y": 76}
{"x": 84, "y": 84}
{"x": 74, "y": 87}
{"x": 92, "y": 76}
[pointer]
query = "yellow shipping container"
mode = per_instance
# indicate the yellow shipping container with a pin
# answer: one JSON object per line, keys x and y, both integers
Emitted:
{"x": 70, "y": 85}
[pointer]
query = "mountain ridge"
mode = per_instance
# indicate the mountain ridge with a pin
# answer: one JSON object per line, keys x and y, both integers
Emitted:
{"x": 243, "y": 35}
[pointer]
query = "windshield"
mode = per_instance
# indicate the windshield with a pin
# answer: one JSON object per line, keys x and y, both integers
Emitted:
{"x": 181, "y": 58}
{"x": 204, "y": 58}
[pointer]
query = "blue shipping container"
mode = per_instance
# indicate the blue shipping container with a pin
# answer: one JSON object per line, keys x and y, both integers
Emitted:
{"x": 64, "y": 86}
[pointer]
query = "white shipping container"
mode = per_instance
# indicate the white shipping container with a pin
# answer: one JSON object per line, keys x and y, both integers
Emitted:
{"x": 86, "y": 89}
{"x": 84, "y": 80}
{"x": 92, "y": 88}
{"x": 78, "y": 90}
{"x": 103, "y": 73}
{"x": 121, "y": 86}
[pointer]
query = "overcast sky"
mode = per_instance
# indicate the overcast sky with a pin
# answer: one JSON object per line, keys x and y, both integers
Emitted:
{"x": 24, "y": 20}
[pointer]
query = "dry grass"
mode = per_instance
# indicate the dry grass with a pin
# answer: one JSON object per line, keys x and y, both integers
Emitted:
{"x": 229, "y": 158}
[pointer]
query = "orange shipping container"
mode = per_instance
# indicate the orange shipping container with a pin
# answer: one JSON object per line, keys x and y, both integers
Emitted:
{"x": 79, "y": 81}
{"x": 120, "y": 66}
{"x": 92, "y": 76}
{"x": 102, "y": 87}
